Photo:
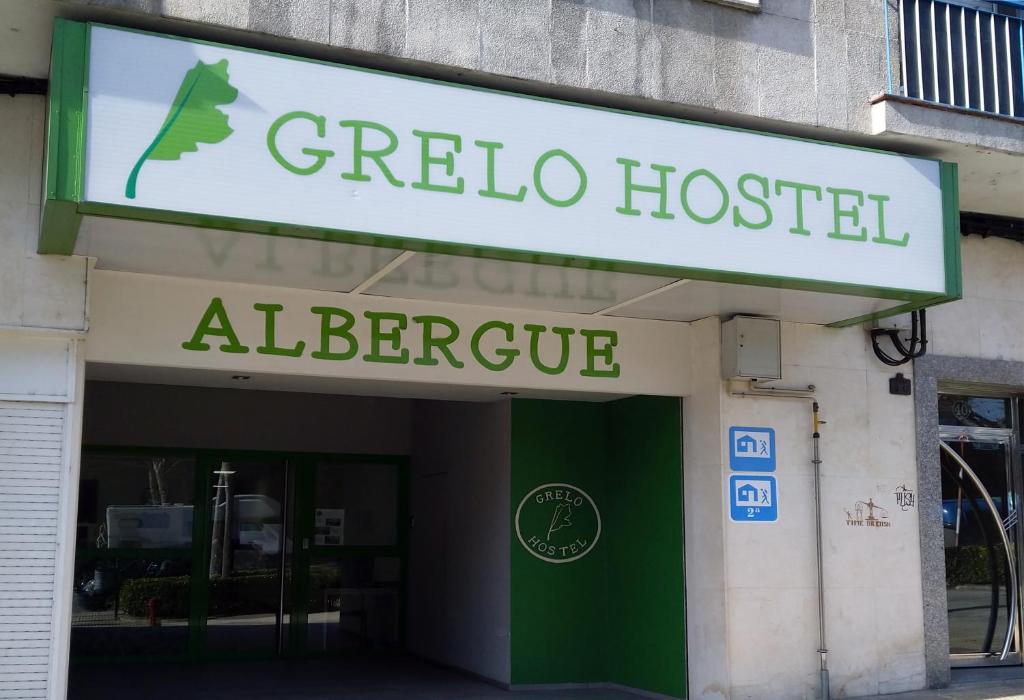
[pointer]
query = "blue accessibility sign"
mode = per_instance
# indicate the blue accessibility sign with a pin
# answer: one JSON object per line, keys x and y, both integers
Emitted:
{"x": 751, "y": 449}
{"x": 753, "y": 499}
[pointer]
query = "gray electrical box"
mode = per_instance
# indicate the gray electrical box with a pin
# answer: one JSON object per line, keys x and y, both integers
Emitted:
{"x": 751, "y": 348}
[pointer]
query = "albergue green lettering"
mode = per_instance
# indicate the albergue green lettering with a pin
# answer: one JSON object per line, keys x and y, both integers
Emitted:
{"x": 270, "y": 346}
{"x": 392, "y": 336}
{"x": 338, "y": 334}
{"x": 535, "y": 331}
{"x": 329, "y": 331}
{"x": 442, "y": 344}
{"x": 605, "y": 353}
{"x": 215, "y": 312}
{"x": 507, "y": 355}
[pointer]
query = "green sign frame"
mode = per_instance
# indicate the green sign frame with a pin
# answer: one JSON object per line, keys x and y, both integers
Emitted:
{"x": 64, "y": 203}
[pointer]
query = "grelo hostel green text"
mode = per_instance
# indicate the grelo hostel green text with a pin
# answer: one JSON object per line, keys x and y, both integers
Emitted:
{"x": 392, "y": 337}
{"x": 752, "y": 202}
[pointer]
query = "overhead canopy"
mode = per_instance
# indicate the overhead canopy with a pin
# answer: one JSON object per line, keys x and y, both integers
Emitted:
{"x": 181, "y": 157}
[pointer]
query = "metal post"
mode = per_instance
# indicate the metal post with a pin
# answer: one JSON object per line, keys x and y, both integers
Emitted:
{"x": 888, "y": 47}
{"x": 282, "y": 551}
{"x": 822, "y": 648}
{"x": 807, "y": 393}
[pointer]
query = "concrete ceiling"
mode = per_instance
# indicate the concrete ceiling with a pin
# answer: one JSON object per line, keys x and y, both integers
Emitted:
{"x": 176, "y": 376}
{"x": 298, "y": 263}
{"x": 988, "y": 149}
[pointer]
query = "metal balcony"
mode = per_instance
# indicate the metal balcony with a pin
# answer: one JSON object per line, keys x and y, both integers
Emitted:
{"x": 962, "y": 57}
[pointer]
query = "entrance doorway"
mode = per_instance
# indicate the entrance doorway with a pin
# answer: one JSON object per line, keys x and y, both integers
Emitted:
{"x": 378, "y": 533}
{"x": 238, "y": 555}
{"x": 981, "y": 494}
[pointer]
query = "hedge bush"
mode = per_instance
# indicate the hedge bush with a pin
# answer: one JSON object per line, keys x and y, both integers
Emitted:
{"x": 172, "y": 592}
{"x": 245, "y": 593}
{"x": 970, "y": 565}
{"x": 241, "y": 594}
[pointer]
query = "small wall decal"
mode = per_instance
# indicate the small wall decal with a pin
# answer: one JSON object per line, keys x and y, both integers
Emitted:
{"x": 867, "y": 514}
{"x": 558, "y": 523}
{"x": 904, "y": 498}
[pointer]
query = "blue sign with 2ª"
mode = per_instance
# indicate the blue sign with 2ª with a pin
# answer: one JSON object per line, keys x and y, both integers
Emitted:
{"x": 753, "y": 498}
{"x": 751, "y": 449}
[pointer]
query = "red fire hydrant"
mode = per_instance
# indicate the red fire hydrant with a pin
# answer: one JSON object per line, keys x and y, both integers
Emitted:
{"x": 153, "y": 611}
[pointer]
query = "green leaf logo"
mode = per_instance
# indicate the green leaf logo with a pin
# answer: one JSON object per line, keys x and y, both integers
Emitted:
{"x": 193, "y": 118}
{"x": 561, "y": 518}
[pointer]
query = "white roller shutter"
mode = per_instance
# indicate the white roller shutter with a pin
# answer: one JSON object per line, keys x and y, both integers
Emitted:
{"x": 31, "y": 445}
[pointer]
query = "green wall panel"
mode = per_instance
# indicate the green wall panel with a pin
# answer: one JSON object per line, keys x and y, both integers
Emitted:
{"x": 616, "y": 614}
{"x": 559, "y": 611}
{"x": 645, "y": 549}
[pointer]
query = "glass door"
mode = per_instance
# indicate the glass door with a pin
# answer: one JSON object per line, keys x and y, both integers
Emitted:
{"x": 188, "y": 554}
{"x": 245, "y": 551}
{"x": 350, "y": 567}
{"x": 981, "y": 537}
{"x": 134, "y": 555}
{"x": 340, "y": 589}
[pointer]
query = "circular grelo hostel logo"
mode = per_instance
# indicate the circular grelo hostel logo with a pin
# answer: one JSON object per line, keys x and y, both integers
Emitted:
{"x": 558, "y": 523}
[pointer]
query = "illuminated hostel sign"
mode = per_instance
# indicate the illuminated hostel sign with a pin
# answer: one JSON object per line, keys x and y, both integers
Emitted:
{"x": 196, "y": 133}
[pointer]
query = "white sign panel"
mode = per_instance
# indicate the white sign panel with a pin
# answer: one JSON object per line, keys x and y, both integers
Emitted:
{"x": 158, "y": 321}
{"x": 753, "y": 499}
{"x": 329, "y": 526}
{"x": 211, "y": 131}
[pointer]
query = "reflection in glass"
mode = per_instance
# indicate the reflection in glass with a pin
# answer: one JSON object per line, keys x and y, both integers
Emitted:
{"x": 974, "y": 411}
{"x": 477, "y": 280}
{"x": 977, "y": 577}
{"x": 356, "y": 504}
{"x": 229, "y": 256}
{"x": 354, "y": 603}
{"x": 129, "y": 607}
{"x": 245, "y": 556}
{"x": 135, "y": 501}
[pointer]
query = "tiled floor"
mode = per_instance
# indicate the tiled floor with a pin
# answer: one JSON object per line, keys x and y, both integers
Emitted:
{"x": 373, "y": 678}
{"x": 975, "y": 691}
{"x": 975, "y": 684}
{"x": 391, "y": 678}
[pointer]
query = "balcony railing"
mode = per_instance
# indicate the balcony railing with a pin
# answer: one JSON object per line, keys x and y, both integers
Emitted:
{"x": 962, "y": 57}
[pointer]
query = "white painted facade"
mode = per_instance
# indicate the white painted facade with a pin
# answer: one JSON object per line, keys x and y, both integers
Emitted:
{"x": 748, "y": 583}
{"x": 42, "y": 318}
{"x": 870, "y": 576}
{"x": 989, "y": 321}
{"x": 459, "y": 496}
{"x": 751, "y": 607}
{"x": 43, "y": 292}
